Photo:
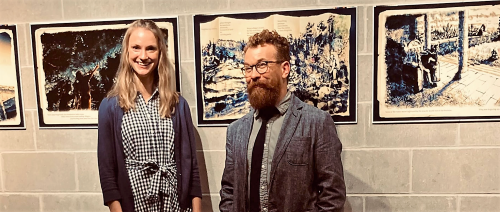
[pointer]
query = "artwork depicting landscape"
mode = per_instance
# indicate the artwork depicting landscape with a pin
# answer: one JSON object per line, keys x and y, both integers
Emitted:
{"x": 437, "y": 62}
{"x": 322, "y": 49}
{"x": 11, "y": 112}
{"x": 76, "y": 64}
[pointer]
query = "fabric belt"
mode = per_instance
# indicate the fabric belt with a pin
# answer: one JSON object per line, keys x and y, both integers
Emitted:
{"x": 160, "y": 173}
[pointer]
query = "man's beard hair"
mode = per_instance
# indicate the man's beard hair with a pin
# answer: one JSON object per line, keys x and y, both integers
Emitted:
{"x": 262, "y": 95}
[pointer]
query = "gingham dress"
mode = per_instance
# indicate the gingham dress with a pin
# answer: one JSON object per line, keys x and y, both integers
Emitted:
{"x": 148, "y": 143}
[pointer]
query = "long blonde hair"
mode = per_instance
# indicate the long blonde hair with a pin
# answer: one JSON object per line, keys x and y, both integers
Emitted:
{"x": 124, "y": 88}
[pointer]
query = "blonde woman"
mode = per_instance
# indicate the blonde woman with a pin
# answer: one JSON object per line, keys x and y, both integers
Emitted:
{"x": 146, "y": 147}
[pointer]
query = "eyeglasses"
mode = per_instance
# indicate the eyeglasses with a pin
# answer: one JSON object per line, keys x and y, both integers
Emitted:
{"x": 260, "y": 67}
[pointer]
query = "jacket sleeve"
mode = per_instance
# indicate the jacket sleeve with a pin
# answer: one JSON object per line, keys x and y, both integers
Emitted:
{"x": 106, "y": 153}
{"x": 227, "y": 183}
{"x": 195, "y": 173}
{"x": 328, "y": 167}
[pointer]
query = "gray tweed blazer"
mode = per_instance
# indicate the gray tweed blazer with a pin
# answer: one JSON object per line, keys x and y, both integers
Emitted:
{"x": 306, "y": 172}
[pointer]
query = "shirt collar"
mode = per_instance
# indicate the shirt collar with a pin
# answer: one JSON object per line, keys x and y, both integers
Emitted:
{"x": 156, "y": 94}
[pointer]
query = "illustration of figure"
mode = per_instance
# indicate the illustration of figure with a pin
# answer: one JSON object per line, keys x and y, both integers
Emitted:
{"x": 66, "y": 96}
{"x": 81, "y": 89}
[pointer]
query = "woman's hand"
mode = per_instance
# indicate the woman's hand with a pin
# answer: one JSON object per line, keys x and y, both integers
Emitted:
{"x": 115, "y": 206}
{"x": 196, "y": 204}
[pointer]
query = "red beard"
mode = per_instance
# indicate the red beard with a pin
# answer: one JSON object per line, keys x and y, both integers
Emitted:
{"x": 262, "y": 95}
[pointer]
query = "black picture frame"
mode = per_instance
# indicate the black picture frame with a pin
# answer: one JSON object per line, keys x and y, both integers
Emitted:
{"x": 239, "y": 97}
{"x": 417, "y": 58}
{"x": 11, "y": 98}
{"x": 97, "y": 46}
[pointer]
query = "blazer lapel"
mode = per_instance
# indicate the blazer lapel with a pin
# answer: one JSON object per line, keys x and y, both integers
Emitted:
{"x": 287, "y": 130}
{"x": 241, "y": 149}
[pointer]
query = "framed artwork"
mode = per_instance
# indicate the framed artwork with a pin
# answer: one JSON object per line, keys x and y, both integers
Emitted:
{"x": 75, "y": 66}
{"x": 437, "y": 63}
{"x": 323, "y": 61}
{"x": 11, "y": 101}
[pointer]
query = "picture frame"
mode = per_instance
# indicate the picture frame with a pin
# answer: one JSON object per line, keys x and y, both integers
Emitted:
{"x": 437, "y": 63}
{"x": 324, "y": 77}
{"x": 11, "y": 98}
{"x": 77, "y": 60}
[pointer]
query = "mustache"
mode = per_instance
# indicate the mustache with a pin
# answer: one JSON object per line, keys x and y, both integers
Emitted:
{"x": 258, "y": 84}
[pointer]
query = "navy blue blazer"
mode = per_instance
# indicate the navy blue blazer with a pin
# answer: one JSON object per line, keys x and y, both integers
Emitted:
{"x": 114, "y": 178}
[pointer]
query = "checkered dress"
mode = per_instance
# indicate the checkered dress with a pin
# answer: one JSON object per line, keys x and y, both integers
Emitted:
{"x": 148, "y": 143}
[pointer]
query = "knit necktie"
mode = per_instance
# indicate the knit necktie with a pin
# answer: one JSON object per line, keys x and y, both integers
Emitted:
{"x": 265, "y": 114}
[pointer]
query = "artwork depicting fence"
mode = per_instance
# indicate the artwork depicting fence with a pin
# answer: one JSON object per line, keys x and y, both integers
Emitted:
{"x": 437, "y": 62}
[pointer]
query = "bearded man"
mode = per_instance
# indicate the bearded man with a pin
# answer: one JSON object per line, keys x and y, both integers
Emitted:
{"x": 284, "y": 155}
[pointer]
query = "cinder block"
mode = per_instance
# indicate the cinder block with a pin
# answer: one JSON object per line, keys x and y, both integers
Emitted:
{"x": 483, "y": 204}
{"x": 19, "y": 139}
{"x": 353, "y": 204}
{"x": 63, "y": 139}
{"x": 410, "y": 203}
{"x": 29, "y": 88}
{"x": 39, "y": 171}
{"x": 88, "y": 172}
{"x": 376, "y": 171}
{"x": 365, "y": 29}
{"x": 95, "y": 9}
{"x": 211, "y": 166}
{"x": 411, "y": 135}
{"x": 369, "y": 30}
{"x": 212, "y": 138}
{"x": 456, "y": 171}
{"x": 19, "y": 203}
{"x": 365, "y": 78}
{"x": 484, "y": 133}
{"x": 22, "y": 44}
{"x": 73, "y": 202}
{"x": 266, "y": 5}
{"x": 186, "y": 37}
{"x": 353, "y": 135}
{"x": 175, "y": 7}
{"x": 15, "y": 11}
{"x": 188, "y": 83}
{"x": 28, "y": 47}
{"x": 210, "y": 202}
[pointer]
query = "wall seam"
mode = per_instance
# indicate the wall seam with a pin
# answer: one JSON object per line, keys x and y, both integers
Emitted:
{"x": 77, "y": 181}
{"x": 364, "y": 203}
{"x": 365, "y": 36}
{"x": 28, "y": 43}
{"x": 143, "y": 7}
{"x": 33, "y": 125}
{"x": 40, "y": 202}
{"x": 411, "y": 172}
{"x": 1, "y": 172}
{"x": 62, "y": 9}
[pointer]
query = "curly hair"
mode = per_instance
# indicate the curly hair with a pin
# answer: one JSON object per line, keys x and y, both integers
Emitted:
{"x": 125, "y": 89}
{"x": 267, "y": 37}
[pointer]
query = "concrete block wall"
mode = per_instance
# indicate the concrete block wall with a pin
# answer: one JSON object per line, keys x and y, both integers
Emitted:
{"x": 449, "y": 167}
